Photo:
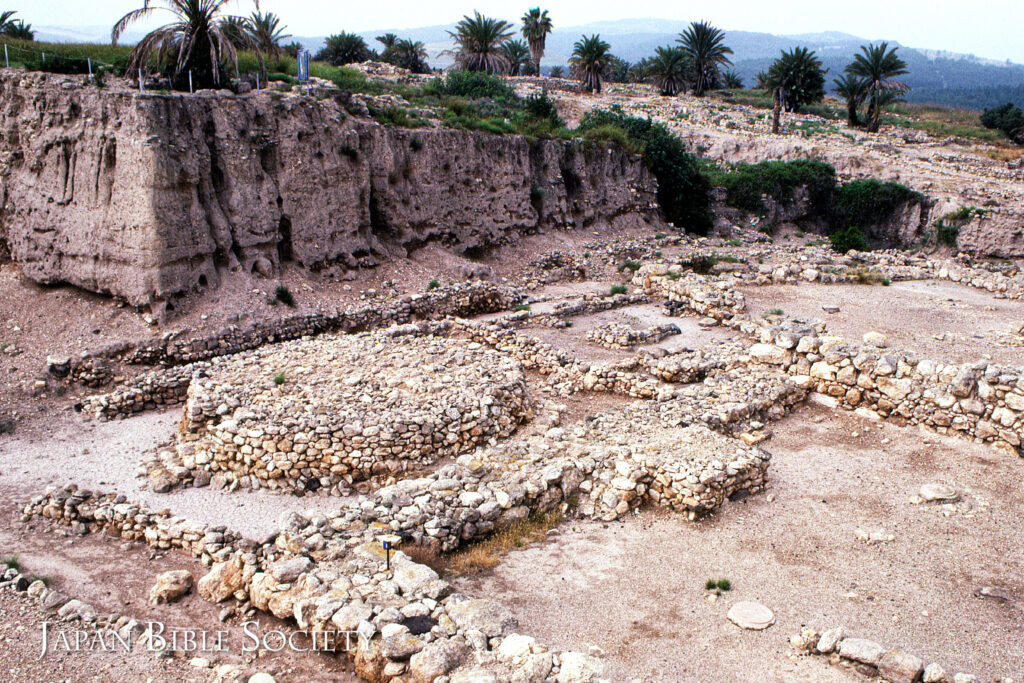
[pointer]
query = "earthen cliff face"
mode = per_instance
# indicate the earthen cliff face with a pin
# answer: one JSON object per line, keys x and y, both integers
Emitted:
{"x": 146, "y": 196}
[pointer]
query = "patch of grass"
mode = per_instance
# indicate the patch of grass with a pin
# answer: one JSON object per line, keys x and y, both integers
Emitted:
{"x": 284, "y": 295}
{"x": 398, "y": 117}
{"x": 433, "y": 284}
{"x": 486, "y": 554}
{"x": 659, "y": 255}
{"x": 673, "y": 275}
{"x": 871, "y": 276}
{"x": 724, "y": 585}
{"x": 618, "y": 289}
{"x": 521, "y": 307}
{"x": 610, "y": 134}
{"x": 703, "y": 264}
{"x": 734, "y": 243}
{"x": 772, "y": 311}
{"x": 12, "y": 562}
{"x": 631, "y": 266}
{"x": 710, "y": 585}
{"x": 660, "y": 236}
{"x": 279, "y": 378}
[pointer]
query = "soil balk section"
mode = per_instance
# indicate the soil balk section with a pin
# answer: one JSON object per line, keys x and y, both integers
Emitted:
{"x": 147, "y": 196}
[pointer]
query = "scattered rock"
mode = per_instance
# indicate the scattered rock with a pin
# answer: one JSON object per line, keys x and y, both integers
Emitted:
{"x": 897, "y": 666}
{"x": 170, "y": 587}
{"x": 861, "y": 650}
{"x": 751, "y": 615}
{"x": 938, "y": 493}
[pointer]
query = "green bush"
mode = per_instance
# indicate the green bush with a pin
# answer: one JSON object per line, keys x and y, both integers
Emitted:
{"x": 284, "y": 295}
{"x": 471, "y": 84}
{"x": 279, "y": 378}
{"x": 683, "y": 191}
{"x": 1008, "y": 118}
{"x": 850, "y": 237}
{"x": 618, "y": 289}
{"x": 746, "y": 183}
{"x": 869, "y": 202}
{"x": 611, "y": 135}
{"x": 433, "y": 284}
{"x": 398, "y": 117}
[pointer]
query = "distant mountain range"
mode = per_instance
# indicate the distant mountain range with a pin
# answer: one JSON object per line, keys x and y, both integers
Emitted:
{"x": 936, "y": 76}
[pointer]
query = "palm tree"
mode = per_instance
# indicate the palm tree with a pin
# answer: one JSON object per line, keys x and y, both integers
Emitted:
{"x": 411, "y": 55}
{"x": 557, "y": 71}
{"x": 517, "y": 54}
{"x": 536, "y": 27}
{"x": 854, "y": 90}
{"x": 195, "y": 41}
{"x": 706, "y": 48}
{"x": 732, "y": 80}
{"x": 879, "y": 65}
{"x": 590, "y": 57}
{"x": 478, "y": 43}
{"x": 669, "y": 69}
{"x": 641, "y": 71}
{"x": 19, "y": 30}
{"x": 267, "y": 32}
{"x": 388, "y": 40}
{"x": 293, "y": 48}
{"x": 15, "y": 28}
{"x": 804, "y": 78}
{"x": 236, "y": 30}
{"x": 343, "y": 48}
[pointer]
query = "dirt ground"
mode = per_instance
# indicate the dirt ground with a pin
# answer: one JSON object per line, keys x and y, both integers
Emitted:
{"x": 636, "y": 588}
{"x": 935, "y": 319}
{"x": 116, "y": 576}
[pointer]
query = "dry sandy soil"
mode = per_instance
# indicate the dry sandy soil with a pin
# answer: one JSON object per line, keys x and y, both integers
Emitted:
{"x": 636, "y": 588}
{"x": 934, "y": 319}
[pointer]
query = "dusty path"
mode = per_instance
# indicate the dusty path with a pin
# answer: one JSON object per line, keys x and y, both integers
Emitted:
{"x": 105, "y": 456}
{"x": 635, "y": 588}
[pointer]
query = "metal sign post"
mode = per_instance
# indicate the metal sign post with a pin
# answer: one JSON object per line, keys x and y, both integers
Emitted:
{"x": 7, "y": 61}
{"x": 303, "y": 66}
{"x": 190, "y": 90}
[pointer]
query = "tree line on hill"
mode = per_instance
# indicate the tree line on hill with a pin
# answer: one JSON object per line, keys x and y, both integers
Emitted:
{"x": 204, "y": 40}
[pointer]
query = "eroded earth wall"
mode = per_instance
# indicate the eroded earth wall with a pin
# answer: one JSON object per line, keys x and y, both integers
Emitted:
{"x": 149, "y": 195}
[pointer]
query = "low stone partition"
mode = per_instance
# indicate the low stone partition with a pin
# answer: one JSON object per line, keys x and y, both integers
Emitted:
{"x": 981, "y": 400}
{"x": 457, "y": 299}
{"x": 328, "y": 573}
{"x": 624, "y": 337}
{"x": 871, "y": 658}
{"x": 148, "y": 391}
{"x": 305, "y": 414}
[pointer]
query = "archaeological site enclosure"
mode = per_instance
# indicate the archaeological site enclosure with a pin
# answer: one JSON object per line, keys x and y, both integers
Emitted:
{"x": 472, "y": 401}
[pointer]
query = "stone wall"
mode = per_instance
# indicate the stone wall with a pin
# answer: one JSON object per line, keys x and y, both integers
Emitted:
{"x": 980, "y": 400}
{"x": 148, "y": 195}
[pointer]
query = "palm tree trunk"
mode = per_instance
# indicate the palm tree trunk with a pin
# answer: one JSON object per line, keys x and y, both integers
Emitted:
{"x": 851, "y": 113}
{"x": 874, "y": 115}
{"x": 777, "y": 111}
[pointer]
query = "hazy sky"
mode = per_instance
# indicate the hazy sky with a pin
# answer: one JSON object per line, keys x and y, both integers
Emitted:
{"x": 987, "y": 28}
